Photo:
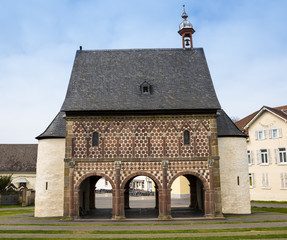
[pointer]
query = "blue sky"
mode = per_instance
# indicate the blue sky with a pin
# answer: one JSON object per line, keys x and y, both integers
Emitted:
{"x": 245, "y": 42}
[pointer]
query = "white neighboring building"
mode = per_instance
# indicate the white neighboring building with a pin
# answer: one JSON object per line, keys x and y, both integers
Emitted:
{"x": 103, "y": 184}
{"x": 20, "y": 161}
{"x": 266, "y": 149}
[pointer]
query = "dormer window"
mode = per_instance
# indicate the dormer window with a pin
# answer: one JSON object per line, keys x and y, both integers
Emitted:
{"x": 145, "y": 88}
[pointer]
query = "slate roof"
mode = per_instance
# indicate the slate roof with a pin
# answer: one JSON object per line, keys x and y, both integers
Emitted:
{"x": 109, "y": 80}
{"x": 57, "y": 128}
{"x": 18, "y": 157}
{"x": 226, "y": 127}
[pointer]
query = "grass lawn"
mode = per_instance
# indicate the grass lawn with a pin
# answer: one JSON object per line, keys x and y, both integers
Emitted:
{"x": 272, "y": 202}
{"x": 14, "y": 206}
{"x": 6, "y": 213}
{"x": 265, "y": 209}
{"x": 193, "y": 232}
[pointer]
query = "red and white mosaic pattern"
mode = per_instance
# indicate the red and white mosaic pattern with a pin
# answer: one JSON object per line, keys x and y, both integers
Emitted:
{"x": 136, "y": 137}
{"x": 106, "y": 168}
{"x": 150, "y": 168}
{"x": 200, "y": 167}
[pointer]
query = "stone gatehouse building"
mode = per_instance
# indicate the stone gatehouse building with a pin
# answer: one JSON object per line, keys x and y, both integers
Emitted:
{"x": 150, "y": 112}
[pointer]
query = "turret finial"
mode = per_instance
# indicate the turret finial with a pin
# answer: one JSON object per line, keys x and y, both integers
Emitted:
{"x": 184, "y": 15}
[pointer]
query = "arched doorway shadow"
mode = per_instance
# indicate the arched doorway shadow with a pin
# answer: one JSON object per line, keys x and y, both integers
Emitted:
{"x": 191, "y": 204}
{"x": 85, "y": 195}
{"x": 137, "y": 203}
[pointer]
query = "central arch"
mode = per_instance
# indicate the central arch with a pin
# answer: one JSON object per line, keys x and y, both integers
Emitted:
{"x": 151, "y": 207}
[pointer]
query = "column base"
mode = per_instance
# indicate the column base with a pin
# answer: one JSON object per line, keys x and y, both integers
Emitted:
{"x": 168, "y": 217}
{"x": 118, "y": 218}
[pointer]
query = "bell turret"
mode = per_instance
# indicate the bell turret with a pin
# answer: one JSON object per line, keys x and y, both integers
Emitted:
{"x": 186, "y": 30}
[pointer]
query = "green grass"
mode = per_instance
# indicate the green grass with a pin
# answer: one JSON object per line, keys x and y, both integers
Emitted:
{"x": 272, "y": 202}
{"x": 138, "y": 224}
{"x": 272, "y": 236}
{"x": 14, "y": 206}
{"x": 142, "y": 232}
{"x": 265, "y": 209}
{"x": 12, "y": 212}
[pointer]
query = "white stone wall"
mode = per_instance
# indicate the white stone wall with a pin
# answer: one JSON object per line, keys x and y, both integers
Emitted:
{"x": 50, "y": 178}
{"x": 274, "y": 192}
{"x": 235, "y": 195}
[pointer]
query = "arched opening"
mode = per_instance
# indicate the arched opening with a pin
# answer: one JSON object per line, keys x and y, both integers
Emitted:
{"x": 141, "y": 196}
{"x": 187, "y": 197}
{"x": 95, "y": 198}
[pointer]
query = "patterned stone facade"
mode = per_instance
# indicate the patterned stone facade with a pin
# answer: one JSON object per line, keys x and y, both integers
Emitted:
{"x": 136, "y": 137}
{"x": 129, "y": 146}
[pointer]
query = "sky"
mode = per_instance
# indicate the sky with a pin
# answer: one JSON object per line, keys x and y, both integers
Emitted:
{"x": 245, "y": 43}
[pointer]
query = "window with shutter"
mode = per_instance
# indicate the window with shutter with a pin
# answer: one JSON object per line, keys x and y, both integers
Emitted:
{"x": 282, "y": 156}
{"x": 251, "y": 182}
{"x": 249, "y": 157}
{"x": 264, "y": 156}
{"x": 261, "y": 134}
{"x": 283, "y": 180}
{"x": 265, "y": 181}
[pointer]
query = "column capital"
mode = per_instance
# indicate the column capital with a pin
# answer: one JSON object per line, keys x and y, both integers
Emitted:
{"x": 118, "y": 164}
{"x": 164, "y": 164}
{"x": 72, "y": 164}
{"x": 210, "y": 162}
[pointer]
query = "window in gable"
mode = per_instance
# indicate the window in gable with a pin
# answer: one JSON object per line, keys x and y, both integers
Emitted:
{"x": 260, "y": 135}
{"x": 95, "y": 139}
{"x": 275, "y": 133}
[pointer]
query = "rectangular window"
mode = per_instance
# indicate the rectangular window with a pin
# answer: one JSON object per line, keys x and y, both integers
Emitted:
{"x": 186, "y": 137}
{"x": 282, "y": 155}
{"x": 283, "y": 180}
{"x": 249, "y": 157}
{"x": 264, "y": 156}
{"x": 265, "y": 181}
{"x": 274, "y": 133}
{"x": 260, "y": 135}
{"x": 251, "y": 181}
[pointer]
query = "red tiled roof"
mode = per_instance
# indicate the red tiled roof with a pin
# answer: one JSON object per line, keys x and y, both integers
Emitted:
{"x": 280, "y": 111}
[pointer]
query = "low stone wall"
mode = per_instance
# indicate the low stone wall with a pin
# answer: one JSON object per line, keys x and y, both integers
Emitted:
{"x": 25, "y": 197}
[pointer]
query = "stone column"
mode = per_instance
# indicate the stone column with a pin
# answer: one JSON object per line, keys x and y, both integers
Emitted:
{"x": 118, "y": 205}
{"x": 209, "y": 194}
{"x": 163, "y": 198}
{"x": 72, "y": 210}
